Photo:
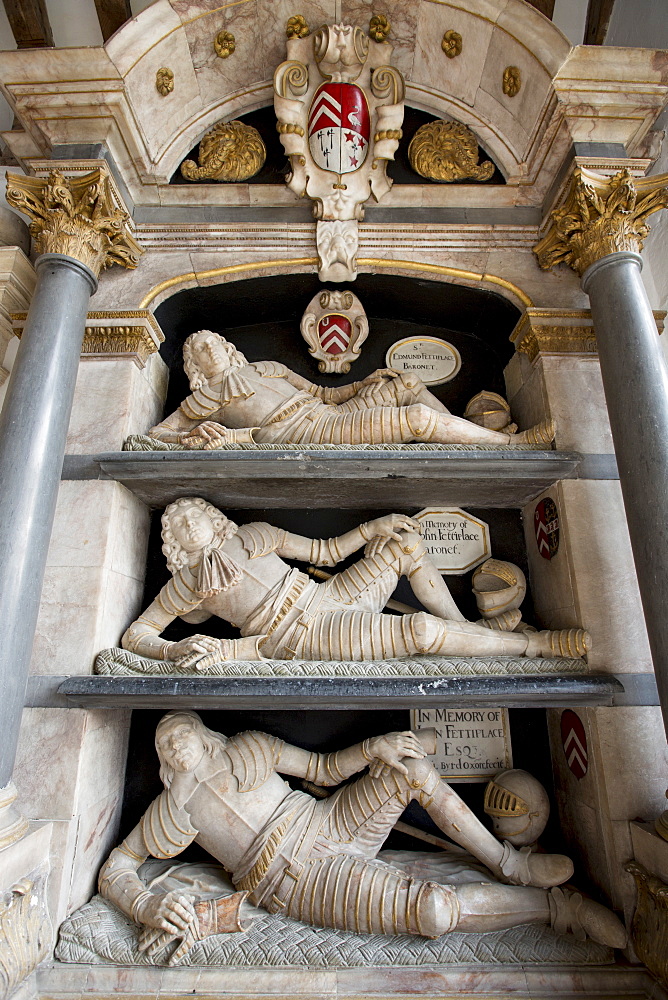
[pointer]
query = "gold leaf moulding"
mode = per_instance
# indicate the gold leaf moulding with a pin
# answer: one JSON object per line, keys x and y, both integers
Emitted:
{"x": 164, "y": 81}
{"x": 452, "y": 43}
{"x": 447, "y": 152}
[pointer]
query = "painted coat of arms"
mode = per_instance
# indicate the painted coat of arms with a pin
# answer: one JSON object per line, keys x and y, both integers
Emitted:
{"x": 338, "y": 127}
{"x": 339, "y": 109}
{"x": 335, "y": 326}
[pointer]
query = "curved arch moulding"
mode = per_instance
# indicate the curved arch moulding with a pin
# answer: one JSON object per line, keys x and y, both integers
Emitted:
{"x": 159, "y": 292}
{"x": 468, "y": 89}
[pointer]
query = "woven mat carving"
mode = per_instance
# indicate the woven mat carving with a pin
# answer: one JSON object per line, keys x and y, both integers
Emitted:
{"x": 100, "y": 933}
{"x": 121, "y": 662}
{"x": 142, "y": 442}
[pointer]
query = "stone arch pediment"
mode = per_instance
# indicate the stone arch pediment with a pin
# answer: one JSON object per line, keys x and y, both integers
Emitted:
{"x": 90, "y": 97}
{"x": 468, "y": 88}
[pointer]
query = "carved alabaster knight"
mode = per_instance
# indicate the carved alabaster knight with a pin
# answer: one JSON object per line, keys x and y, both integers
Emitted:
{"x": 238, "y": 574}
{"x": 315, "y": 859}
{"x": 233, "y": 400}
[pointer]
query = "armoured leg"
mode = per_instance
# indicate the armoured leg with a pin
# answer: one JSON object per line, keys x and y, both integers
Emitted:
{"x": 364, "y": 811}
{"x": 368, "y": 897}
{"x": 368, "y": 583}
{"x": 484, "y": 907}
{"x": 401, "y": 391}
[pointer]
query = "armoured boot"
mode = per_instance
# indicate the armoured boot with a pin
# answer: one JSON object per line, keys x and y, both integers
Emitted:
{"x": 558, "y": 642}
{"x": 507, "y": 621}
{"x": 570, "y": 912}
{"x": 524, "y": 867}
{"x": 542, "y": 433}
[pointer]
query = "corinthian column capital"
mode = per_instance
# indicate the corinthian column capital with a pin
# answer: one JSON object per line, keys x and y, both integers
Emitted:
{"x": 75, "y": 216}
{"x": 601, "y": 216}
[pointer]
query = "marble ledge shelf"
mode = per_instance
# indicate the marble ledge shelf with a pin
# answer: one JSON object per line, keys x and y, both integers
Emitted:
{"x": 315, "y": 478}
{"x": 337, "y": 693}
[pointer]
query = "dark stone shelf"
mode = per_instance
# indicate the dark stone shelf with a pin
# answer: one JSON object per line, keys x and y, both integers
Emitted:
{"x": 294, "y": 478}
{"x": 337, "y": 693}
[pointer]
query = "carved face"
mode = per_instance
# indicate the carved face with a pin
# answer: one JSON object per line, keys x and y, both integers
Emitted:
{"x": 179, "y": 746}
{"x": 192, "y": 528}
{"x": 337, "y": 248}
{"x": 210, "y": 354}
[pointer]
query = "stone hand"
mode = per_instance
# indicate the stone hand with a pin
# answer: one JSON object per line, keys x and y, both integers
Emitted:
{"x": 169, "y": 915}
{"x": 206, "y": 435}
{"x": 382, "y": 529}
{"x": 153, "y": 939}
{"x": 390, "y": 750}
{"x": 189, "y": 652}
{"x": 379, "y": 375}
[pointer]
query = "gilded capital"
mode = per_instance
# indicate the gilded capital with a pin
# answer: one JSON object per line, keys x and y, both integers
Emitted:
{"x": 76, "y": 216}
{"x": 601, "y": 216}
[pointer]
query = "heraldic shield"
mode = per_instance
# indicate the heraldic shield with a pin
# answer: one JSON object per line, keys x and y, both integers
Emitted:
{"x": 339, "y": 127}
{"x": 334, "y": 326}
{"x": 334, "y": 331}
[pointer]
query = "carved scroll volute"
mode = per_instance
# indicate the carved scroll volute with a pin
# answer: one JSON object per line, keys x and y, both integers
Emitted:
{"x": 291, "y": 82}
{"x": 387, "y": 84}
{"x": 75, "y": 216}
{"x": 601, "y": 216}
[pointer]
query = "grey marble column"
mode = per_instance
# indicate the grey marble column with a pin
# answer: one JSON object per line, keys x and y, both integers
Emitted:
{"x": 635, "y": 380}
{"x": 33, "y": 432}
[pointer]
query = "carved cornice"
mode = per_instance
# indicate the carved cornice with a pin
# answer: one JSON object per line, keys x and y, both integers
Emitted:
{"x": 75, "y": 216}
{"x": 601, "y": 216}
{"x": 649, "y": 929}
{"x": 133, "y": 334}
{"x": 560, "y": 331}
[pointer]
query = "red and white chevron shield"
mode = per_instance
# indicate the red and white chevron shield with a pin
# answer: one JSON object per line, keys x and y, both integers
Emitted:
{"x": 334, "y": 332}
{"x": 339, "y": 127}
{"x": 546, "y": 526}
{"x": 574, "y": 741}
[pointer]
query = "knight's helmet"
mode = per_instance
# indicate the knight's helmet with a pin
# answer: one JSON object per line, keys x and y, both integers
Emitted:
{"x": 518, "y": 805}
{"x": 498, "y": 586}
{"x": 490, "y": 410}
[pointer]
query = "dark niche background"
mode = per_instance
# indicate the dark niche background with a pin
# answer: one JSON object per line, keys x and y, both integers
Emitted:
{"x": 261, "y": 317}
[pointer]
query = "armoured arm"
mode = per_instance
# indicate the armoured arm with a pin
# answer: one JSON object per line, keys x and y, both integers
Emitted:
{"x": 328, "y": 394}
{"x": 198, "y": 434}
{"x": 333, "y": 768}
{"x": 157, "y": 834}
{"x": 330, "y": 551}
{"x": 177, "y": 598}
{"x": 174, "y": 427}
{"x": 118, "y": 880}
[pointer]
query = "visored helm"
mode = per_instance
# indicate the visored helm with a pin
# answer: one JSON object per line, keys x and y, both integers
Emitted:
{"x": 498, "y": 586}
{"x": 488, "y": 409}
{"x": 518, "y": 805}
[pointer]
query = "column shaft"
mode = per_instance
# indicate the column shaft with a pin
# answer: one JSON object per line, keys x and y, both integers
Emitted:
{"x": 635, "y": 380}
{"x": 33, "y": 432}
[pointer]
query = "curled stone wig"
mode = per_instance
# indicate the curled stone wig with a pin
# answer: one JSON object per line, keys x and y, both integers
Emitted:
{"x": 196, "y": 377}
{"x": 173, "y": 551}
